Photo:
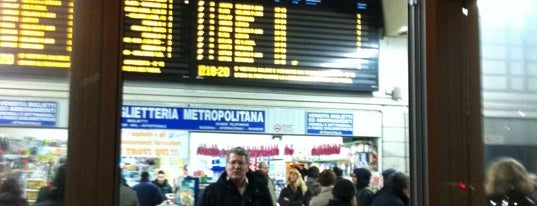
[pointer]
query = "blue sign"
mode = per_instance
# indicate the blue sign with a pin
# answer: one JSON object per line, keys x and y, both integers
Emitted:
{"x": 28, "y": 113}
{"x": 148, "y": 117}
{"x": 329, "y": 123}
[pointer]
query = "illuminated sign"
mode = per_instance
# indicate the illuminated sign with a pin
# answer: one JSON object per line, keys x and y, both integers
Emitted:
{"x": 329, "y": 123}
{"x": 330, "y": 44}
{"x": 35, "y": 33}
{"x": 148, "y": 117}
{"x": 28, "y": 113}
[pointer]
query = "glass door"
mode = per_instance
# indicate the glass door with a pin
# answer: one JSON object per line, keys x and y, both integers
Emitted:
{"x": 509, "y": 90}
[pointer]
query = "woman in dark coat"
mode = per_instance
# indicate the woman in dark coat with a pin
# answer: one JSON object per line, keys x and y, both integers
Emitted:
{"x": 296, "y": 193}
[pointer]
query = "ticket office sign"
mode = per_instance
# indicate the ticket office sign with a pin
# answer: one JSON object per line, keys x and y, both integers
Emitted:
{"x": 203, "y": 119}
{"x": 28, "y": 113}
{"x": 318, "y": 123}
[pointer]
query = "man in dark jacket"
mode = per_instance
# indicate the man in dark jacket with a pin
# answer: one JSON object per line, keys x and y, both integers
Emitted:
{"x": 312, "y": 182}
{"x": 364, "y": 195}
{"x": 263, "y": 167}
{"x": 395, "y": 193}
{"x": 237, "y": 186}
{"x": 148, "y": 193}
{"x": 162, "y": 183}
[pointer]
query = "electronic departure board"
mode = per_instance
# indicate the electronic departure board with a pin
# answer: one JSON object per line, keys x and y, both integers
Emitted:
{"x": 35, "y": 34}
{"x": 326, "y": 44}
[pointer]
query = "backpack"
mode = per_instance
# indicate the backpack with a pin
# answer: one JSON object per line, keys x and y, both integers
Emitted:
{"x": 365, "y": 196}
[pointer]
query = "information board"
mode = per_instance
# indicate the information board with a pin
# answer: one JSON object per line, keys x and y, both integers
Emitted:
{"x": 35, "y": 34}
{"x": 326, "y": 44}
{"x": 330, "y": 44}
{"x": 28, "y": 113}
{"x": 329, "y": 123}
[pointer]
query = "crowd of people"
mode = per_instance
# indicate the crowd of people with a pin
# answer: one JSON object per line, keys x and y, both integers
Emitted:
{"x": 507, "y": 183}
{"x": 145, "y": 193}
{"x": 238, "y": 185}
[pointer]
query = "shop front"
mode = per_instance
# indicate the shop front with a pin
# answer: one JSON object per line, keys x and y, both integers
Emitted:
{"x": 33, "y": 141}
{"x": 185, "y": 133}
{"x": 192, "y": 142}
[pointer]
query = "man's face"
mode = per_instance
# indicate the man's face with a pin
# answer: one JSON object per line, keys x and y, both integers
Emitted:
{"x": 406, "y": 191}
{"x": 236, "y": 167}
{"x": 354, "y": 179}
{"x": 161, "y": 178}
{"x": 264, "y": 169}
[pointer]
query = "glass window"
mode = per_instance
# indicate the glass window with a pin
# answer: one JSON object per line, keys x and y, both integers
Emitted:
{"x": 509, "y": 87}
{"x": 35, "y": 59}
{"x": 325, "y": 92}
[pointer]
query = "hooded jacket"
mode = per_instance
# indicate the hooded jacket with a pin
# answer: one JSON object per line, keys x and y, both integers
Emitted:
{"x": 390, "y": 196}
{"x": 224, "y": 193}
{"x": 364, "y": 195}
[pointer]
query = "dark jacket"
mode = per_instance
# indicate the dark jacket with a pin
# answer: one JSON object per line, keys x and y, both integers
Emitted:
{"x": 390, "y": 196}
{"x": 336, "y": 202}
{"x": 364, "y": 196}
{"x": 12, "y": 200}
{"x": 224, "y": 193}
{"x": 512, "y": 198}
{"x": 49, "y": 196}
{"x": 165, "y": 188}
{"x": 295, "y": 198}
{"x": 148, "y": 193}
{"x": 313, "y": 186}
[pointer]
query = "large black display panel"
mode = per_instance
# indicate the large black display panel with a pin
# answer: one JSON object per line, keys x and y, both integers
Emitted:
{"x": 325, "y": 44}
{"x": 35, "y": 34}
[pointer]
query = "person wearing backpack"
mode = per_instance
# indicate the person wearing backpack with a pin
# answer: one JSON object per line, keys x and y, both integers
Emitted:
{"x": 365, "y": 194}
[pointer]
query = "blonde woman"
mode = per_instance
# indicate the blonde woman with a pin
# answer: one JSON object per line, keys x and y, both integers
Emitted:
{"x": 296, "y": 192}
{"x": 508, "y": 183}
